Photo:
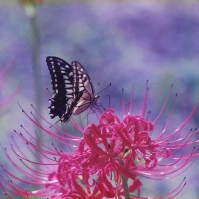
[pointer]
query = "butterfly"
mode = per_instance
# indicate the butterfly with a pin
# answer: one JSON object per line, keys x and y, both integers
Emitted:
{"x": 73, "y": 89}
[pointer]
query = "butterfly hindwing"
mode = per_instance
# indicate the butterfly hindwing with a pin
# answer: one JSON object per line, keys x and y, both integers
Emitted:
{"x": 86, "y": 87}
{"x": 73, "y": 90}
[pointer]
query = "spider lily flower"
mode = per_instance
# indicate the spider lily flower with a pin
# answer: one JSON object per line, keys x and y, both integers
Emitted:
{"x": 107, "y": 161}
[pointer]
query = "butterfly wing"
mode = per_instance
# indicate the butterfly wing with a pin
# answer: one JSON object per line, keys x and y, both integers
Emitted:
{"x": 62, "y": 83}
{"x": 87, "y": 97}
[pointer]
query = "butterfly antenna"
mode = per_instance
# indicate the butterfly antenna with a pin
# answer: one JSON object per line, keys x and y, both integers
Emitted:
{"x": 104, "y": 88}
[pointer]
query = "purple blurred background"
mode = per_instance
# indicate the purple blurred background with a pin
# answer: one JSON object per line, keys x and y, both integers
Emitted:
{"x": 120, "y": 43}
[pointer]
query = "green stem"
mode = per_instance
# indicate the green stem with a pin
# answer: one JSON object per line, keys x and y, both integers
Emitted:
{"x": 36, "y": 68}
{"x": 125, "y": 186}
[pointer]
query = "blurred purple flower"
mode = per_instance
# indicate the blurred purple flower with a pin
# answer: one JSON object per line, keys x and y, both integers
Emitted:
{"x": 167, "y": 32}
{"x": 5, "y": 74}
{"x": 112, "y": 154}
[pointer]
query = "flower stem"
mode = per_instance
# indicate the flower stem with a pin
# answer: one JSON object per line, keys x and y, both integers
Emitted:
{"x": 125, "y": 186}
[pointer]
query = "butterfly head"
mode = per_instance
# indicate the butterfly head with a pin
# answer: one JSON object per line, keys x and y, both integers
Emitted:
{"x": 96, "y": 98}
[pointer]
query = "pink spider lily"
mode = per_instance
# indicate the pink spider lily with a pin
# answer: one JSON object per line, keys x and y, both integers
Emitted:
{"x": 107, "y": 162}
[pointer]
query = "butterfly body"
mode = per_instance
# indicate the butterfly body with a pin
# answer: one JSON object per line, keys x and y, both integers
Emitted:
{"x": 73, "y": 89}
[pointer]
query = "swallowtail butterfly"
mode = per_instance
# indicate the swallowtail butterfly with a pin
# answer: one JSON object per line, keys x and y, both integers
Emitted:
{"x": 73, "y": 89}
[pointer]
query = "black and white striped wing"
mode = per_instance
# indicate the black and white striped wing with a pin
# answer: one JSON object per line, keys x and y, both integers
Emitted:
{"x": 63, "y": 86}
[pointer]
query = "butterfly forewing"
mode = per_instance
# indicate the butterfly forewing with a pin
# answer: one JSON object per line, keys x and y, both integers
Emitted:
{"x": 73, "y": 90}
{"x": 62, "y": 83}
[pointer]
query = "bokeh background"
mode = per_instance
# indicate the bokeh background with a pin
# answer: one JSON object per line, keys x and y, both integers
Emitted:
{"x": 123, "y": 43}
